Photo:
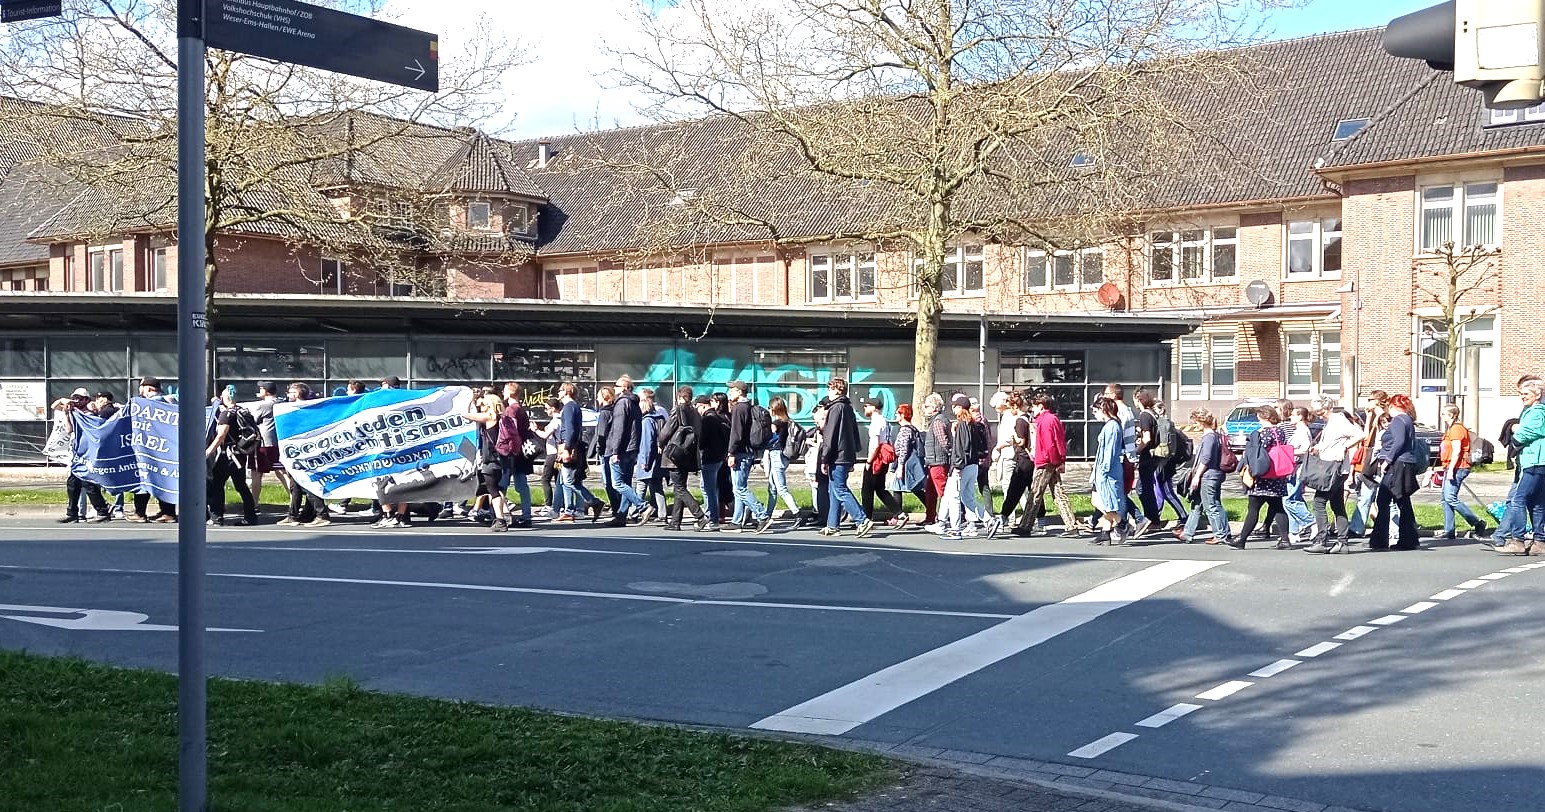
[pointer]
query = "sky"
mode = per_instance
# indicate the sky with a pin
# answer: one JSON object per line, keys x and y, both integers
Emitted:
{"x": 563, "y": 89}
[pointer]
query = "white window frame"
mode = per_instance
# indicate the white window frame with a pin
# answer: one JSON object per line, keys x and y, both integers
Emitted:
{"x": 854, "y": 262}
{"x": 1318, "y": 342}
{"x": 337, "y": 275}
{"x": 1490, "y": 358}
{"x": 108, "y": 276}
{"x": 160, "y": 269}
{"x": 1526, "y": 115}
{"x": 1081, "y": 259}
{"x": 517, "y": 218}
{"x": 1203, "y": 239}
{"x": 959, "y": 256}
{"x": 33, "y": 279}
{"x": 1207, "y": 344}
{"x": 1321, "y": 230}
{"x": 487, "y": 216}
{"x": 1465, "y": 195}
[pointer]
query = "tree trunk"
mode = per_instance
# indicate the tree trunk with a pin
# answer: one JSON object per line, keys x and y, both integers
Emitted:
{"x": 930, "y": 306}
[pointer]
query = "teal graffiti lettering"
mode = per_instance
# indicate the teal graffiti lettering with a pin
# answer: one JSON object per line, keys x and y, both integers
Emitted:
{"x": 800, "y": 386}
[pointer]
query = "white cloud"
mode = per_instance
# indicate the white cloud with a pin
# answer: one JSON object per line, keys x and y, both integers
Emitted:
{"x": 563, "y": 88}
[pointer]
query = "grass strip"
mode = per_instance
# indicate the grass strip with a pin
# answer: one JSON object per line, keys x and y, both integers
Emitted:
{"x": 80, "y": 736}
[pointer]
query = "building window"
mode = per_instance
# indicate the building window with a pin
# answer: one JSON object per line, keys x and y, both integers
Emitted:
{"x": 1433, "y": 351}
{"x": 1065, "y": 270}
{"x": 104, "y": 270}
{"x": 1526, "y": 115}
{"x": 24, "y": 279}
{"x": 964, "y": 271}
{"x": 841, "y": 277}
{"x": 1313, "y": 363}
{"x": 332, "y": 276}
{"x": 1206, "y": 366}
{"x": 1463, "y": 214}
{"x": 478, "y": 217}
{"x": 516, "y": 220}
{"x": 1314, "y": 248}
{"x": 1348, "y": 127}
{"x": 158, "y": 270}
{"x": 1193, "y": 255}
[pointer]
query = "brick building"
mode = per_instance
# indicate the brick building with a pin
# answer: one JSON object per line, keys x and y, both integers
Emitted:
{"x": 1307, "y": 268}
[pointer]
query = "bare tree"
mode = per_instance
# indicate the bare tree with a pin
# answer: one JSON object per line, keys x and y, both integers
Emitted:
{"x": 93, "y": 103}
{"x": 930, "y": 121}
{"x": 1462, "y": 284}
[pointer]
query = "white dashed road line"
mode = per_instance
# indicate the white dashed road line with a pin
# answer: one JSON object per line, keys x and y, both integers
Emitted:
{"x": 1100, "y": 746}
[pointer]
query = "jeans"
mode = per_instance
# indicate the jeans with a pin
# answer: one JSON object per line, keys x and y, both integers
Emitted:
{"x": 1212, "y": 507}
{"x": 711, "y": 490}
{"x": 842, "y": 498}
{"x": 522, "y": 485}
{"x": 961, "y": 504}
{"x": 620, "y": 469}
{"x": 571, "y": 495}
{"x": 745, "y": 500}
{"x": 1525, "y": 505}
{"x": 1452, "y": 503}
{"x": 778, "y": 481}
{"x": 1296, "y": 508}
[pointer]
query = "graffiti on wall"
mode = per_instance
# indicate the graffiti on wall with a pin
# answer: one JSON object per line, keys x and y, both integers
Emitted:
{"x": 799, "y": 385}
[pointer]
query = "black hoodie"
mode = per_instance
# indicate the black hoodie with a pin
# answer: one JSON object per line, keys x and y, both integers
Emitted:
{"x": 839, "y": 437}
{"x": 623, "y": 432}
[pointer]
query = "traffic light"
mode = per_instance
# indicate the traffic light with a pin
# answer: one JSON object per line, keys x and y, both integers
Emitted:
{"x": 1494, "y": 46}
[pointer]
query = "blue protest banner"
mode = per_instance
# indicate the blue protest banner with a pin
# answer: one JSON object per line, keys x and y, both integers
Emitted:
{"x": 395, "y": 445}
{"x": 102, "y": 452}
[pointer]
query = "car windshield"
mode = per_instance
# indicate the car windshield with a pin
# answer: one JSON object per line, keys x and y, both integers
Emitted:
{"x": 1242, "y": 413}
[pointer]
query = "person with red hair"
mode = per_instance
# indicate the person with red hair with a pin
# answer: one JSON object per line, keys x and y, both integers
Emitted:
{"x": 1397, "y": 480}
{"x": 911, "y": 473}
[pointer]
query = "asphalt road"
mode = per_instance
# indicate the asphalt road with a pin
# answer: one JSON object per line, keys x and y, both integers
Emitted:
{"x": 1186, "y": 662}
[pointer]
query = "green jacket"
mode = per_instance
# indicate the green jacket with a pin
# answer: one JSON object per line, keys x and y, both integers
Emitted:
{"x": 1531, "y": 435}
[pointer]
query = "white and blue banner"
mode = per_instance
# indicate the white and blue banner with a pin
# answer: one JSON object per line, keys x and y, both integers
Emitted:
{"x": 394, "y": 445}
{"x": 134, "y": 450}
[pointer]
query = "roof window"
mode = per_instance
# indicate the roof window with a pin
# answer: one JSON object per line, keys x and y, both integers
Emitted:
{"x": 1523, "y": 115}
{"x": 1081, "y": 161}
{"x": 1348, "y": 127}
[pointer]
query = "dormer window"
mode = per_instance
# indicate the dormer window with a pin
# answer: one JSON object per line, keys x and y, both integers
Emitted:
{"x": 515, "y": 217}
{"x": 1348, "y": 127}
{"x": 478, "y": 216}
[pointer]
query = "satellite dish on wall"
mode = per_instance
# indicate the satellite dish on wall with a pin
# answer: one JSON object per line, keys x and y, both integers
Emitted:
{"x": 1258, "y": 293}
{"x": 1108, "y": 295}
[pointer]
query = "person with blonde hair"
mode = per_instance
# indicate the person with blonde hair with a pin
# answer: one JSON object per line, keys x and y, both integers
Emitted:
{"x": 1206, "y": 482}
{"x": 486, "y": 413}
{"x": 1455, "y": 459}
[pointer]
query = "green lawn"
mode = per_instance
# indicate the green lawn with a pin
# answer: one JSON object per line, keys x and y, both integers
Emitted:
{"x": 79, "y": 736}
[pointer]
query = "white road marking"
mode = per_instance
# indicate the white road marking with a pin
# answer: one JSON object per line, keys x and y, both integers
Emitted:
{"x": 1169, "y": 714}
{"x": 1447, "y": 594}
{"x": 1419, "y": 607}
{"x": 1275, "y": 668}
{"x": 1516, "y": 570}
{"x": 1225, "y": 690}
{"x": 1470, "y": 584}
{"x": 95, "y": 620}
{"x": 1100, "y": 747}
{"x": 1355, "y": 632}
{"x": 1496, "y": 576}
{"x": 447, "y": 551}
{"x": 842, "y": 709}
{"x": 1387, "y": 620}
{"x": 1317, "y": 649}
{"x": 1342, "y": 584}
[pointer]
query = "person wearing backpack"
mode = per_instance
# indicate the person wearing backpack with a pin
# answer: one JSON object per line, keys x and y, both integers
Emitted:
{"x": 788, "y": 444}
{"x": 224, "y": 466}
{"x": 1326, "y": 470}
{"x": 742, "y": 455}
{"x": 681, "y": 456}
{"x": 1398, "y": 480}
{"x": 1208, "y": 473}
{"x": 1173, "y": 448}
{"x": 1265, "y": 480}
{"x": 647, "y": 472}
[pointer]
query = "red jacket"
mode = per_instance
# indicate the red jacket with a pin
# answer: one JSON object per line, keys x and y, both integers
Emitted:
{"x": 1051, "y": 441}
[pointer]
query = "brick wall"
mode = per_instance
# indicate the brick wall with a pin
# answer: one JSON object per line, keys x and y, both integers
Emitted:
{"x": 1522, "y": 323}
{"x": 1379, "y": 238}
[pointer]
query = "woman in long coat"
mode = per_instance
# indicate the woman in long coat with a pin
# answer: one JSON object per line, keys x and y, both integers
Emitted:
{"x": 1106, "y": 481}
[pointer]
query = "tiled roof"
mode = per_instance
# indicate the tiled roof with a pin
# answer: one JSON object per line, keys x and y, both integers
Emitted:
{"x": 1271, "y": 126}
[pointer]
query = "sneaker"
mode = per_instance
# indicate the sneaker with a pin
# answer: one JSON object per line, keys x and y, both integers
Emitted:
{"x": 969, "y": 531}
{"x": 565, "y": 517}
{"x": 100, "y": 517}
{"x": 865, "y": 528}
{"x": 69, "y": 519}
{"x": 765, "y": 526}
{"x": 1138, "y": 532}
{"x": 731, "y": 528}
{"x": 135, "y": 518}
{"x": 320, "y": 521}
{"x": 165, "y": 519}
{"x": 448, "y": 513}
{"x": 523, "y": 524}
{"x": 384, "y": 521}
{"x": 214, "y": 521}
{"x": 828, "y": 531}
{"x": 903, "y": 520}
{"x": 117, "y": 513}
{"x": 290, "y": 521}
{"x": 713, "y": 527}
{"x": 992, "y": 527}
{"x": 644, "y": 514}
{"x": 952, "y": 535}
{"x": 338, "y": 510}
{"x": 937, "y": 528}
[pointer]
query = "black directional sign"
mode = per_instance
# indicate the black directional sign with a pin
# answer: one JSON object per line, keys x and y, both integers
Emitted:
{"x": 14, "y": 11}
{"x": 305, "y": 34}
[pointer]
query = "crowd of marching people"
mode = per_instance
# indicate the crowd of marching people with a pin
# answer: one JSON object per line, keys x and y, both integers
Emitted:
{"x": 1324, "y": 475}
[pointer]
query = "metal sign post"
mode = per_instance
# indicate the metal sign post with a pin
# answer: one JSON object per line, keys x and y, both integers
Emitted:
{"x": 192, "y": 326}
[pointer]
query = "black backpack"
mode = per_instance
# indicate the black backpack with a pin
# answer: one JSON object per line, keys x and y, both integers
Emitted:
{"x": 761, "y": 428}
{"x": 682, "y": 448}
{"x": 245, "y": 437}
{"x": 794, "y": 444}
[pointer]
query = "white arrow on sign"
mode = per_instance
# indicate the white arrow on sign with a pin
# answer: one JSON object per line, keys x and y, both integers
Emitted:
{"x": 417, "y": 68}
{"x": 452, "y": 551}
{"x": 94, "y": 620}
